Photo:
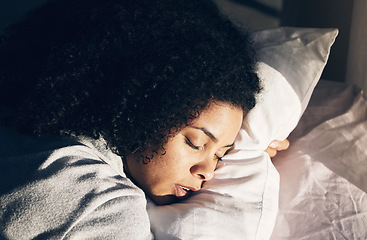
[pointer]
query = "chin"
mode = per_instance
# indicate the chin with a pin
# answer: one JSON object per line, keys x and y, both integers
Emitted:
{"x": 166, "y": 200}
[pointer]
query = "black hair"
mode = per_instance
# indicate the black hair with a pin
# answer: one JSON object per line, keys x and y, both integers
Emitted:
{"x": 134, "y": 72}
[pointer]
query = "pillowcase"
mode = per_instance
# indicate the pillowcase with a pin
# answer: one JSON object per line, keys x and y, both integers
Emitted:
{"x": 292, "y": 61}
{"x": 241, "y": 201}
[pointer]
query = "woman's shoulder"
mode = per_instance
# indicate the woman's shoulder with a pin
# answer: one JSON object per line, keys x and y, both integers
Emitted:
{"x": 27, "y": 158}
{"x": 47, "y": 149}
{"x": 60, "y": 185}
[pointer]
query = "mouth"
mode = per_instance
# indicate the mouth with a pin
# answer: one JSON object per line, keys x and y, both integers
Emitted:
{"x": 182, "y": 191}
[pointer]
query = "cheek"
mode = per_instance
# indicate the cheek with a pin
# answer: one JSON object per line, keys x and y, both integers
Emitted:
{"x": 177, "y": 155}
{"x": 173, "y": 164}
{"x": 163, "y": 172}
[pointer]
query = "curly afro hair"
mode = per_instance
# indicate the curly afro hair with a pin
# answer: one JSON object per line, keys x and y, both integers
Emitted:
{"x": 134, "y": 72}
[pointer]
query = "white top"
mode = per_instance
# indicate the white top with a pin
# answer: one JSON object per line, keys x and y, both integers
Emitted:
{"x": 57, "y": 188}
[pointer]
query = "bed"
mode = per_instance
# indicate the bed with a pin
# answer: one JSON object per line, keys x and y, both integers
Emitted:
{"x": 323, "y": 176}
{"x": 314, "y": 190}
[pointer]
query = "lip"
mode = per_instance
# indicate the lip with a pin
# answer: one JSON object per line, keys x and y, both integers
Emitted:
{"x": 183, "y": 191}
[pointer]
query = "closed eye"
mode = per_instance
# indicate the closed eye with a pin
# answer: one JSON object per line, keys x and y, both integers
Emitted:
{"x": 218, "y": 158}
{"x": 188, "y": 142}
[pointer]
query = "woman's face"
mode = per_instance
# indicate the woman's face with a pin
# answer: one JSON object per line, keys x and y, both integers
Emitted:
{"x": 190, "y": 156}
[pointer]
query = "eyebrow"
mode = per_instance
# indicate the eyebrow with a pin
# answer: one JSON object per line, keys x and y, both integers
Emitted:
{"x": 211, "y": 136}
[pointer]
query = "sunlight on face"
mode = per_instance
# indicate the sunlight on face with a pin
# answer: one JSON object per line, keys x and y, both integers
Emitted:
{"x": 191, "y": 155}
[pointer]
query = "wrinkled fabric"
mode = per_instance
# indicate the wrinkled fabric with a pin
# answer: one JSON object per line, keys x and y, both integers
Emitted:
{"x": 55, "y": 188}
{"x": 242, "y": 198}
{"x": 323, "y": 175}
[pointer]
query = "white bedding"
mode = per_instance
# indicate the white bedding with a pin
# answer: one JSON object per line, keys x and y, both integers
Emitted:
{"x": 242, "y": 198}
{"x": 323, "y": 175}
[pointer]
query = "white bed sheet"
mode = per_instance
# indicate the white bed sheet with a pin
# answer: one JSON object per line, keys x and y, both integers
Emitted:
{"x": 323, "y": 175}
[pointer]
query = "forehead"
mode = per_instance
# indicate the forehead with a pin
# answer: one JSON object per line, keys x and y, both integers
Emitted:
{"x": 220, "y": 112}
{"x": 220, "y": 119}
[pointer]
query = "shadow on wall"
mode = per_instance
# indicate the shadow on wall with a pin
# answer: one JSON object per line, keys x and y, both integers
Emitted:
{"x": 252, "y": 14}
{"x": 324, "y": 14}
{"x": 13, "y": 10}
{"x": 259, "y": 14}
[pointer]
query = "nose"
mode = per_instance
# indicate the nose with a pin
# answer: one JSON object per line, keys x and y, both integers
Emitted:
{"x": 204, "y": 170}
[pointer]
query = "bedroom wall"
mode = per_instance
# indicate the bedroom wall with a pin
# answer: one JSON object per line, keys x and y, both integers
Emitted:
{"x": 357, "y": 57}
{"x": 12, "y": 10}
{"x": 252, "y": 14}
{"x": 324, "y": 14}
{"x": 348, "y": 59}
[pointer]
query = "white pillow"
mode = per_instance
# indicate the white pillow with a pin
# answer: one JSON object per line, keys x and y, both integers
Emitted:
{"x": 298, "y": 54}
{"x": 241, "y": 201}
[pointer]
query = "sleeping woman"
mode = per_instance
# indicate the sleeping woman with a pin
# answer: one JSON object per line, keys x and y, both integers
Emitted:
{"x": 106, "y": 102}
